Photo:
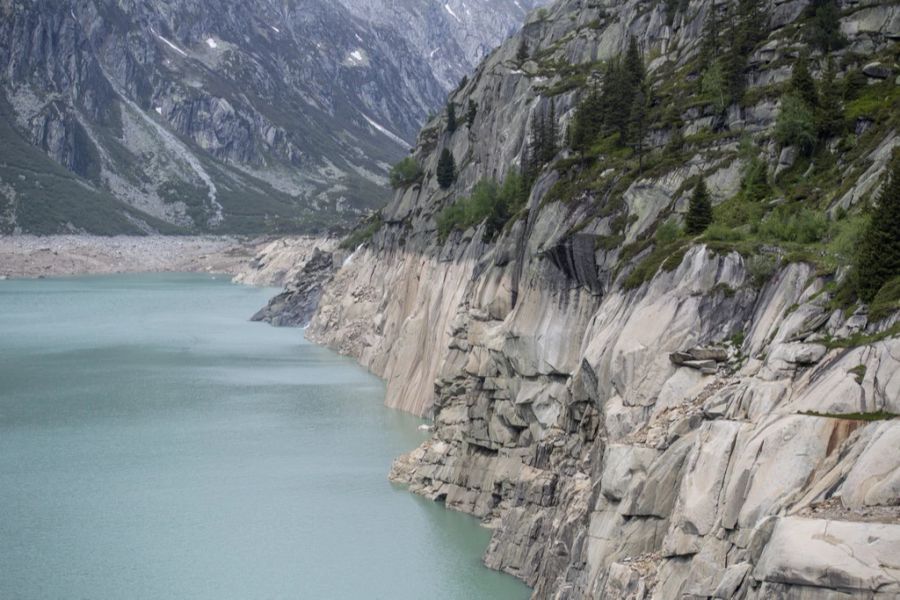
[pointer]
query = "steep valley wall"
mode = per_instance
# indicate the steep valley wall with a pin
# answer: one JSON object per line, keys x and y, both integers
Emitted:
{"x": 708, "y": 431}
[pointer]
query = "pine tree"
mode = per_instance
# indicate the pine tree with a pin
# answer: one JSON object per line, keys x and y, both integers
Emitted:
{"x": 634, "y": 64}
{"x": 714, "y": 86}
{"x": 748, "y": 28}
{"x": 709, "y": 48}
{"x": 830, "y": 116}
{"x": 879, "y": 254}
{"x": 802, "y": 82}
{"x": 551, "y": 134}
{"x": 536, "y": 151}
{"x": 527, "y": 167}
{"x": 734, "y": 63}
{"x": 587, "y": 122}
{"x": 470, "y": 116}
{"x": 699, "y": 214}
{"x": 617, "y": 97}
{"x": 451, "y": 117}
{"x": 446, "y": 169}
{"x": 637, "y": 124}
{"x": 824, "y": 27}
{"x": 753, "y": 23}
{"x": 522, "y": 52}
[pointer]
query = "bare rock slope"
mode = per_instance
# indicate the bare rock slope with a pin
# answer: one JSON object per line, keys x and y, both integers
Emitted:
{"x": 634, "y": 416}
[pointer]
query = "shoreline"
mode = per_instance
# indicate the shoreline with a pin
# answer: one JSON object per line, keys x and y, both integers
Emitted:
{"x": 261, "y": 260}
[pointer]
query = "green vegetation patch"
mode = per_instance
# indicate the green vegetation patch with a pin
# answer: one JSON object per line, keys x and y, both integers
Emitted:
{"x": 489, "y": 202}
{"x": 664, "y": 256}
{"x": 405, "y": 173}
{"x": 886, "y": 301}
{"x": 858, "y": 416}
{"x": 363, "y": 233}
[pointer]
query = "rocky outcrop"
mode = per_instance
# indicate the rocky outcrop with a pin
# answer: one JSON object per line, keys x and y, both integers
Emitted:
{"x": 684, "y": 430}
{"x": 278, "y": 262}
{"x": 296, "y": 305}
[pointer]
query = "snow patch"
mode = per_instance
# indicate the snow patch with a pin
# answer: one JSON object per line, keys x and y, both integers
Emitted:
{"x": 386, "y": 132}
{"x": 452, "y": 14}
{"x": 357, "y": 58}
{"x": 158, "y": 110}
{"x": 211, "y": 43}
{"x": 170, "y": 44}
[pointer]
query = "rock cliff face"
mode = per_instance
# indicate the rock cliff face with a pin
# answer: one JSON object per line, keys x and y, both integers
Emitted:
{"x": 708, "y": 430}
{"x": 453, "y": 35}
{"x": 121, "y": 116}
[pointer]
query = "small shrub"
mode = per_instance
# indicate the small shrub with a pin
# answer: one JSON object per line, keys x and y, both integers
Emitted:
{"x": 761, "y": 268}
{"x": 363, "y": 233}
{"x": 796, "y": 124}
{"x": 405, "y": 173}
{"x": 846, "y": 235}
{"x": 667, "y": 232}
{"x": 715, "y": 86}
{"x": 489, "y": 202}
{"x": 859, "y": 372}
{"x": 804, "y": 226}
{"x": 719, "y": 232}
{"x": 663, "y": 256}
{"x": 886, "y": 301}
{"x": 755, "y": 183}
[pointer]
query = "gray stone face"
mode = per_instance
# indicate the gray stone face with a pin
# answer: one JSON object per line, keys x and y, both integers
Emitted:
{"x": 849, "y": 557}
{"x": 647, "y": 441}
{"x": 296, "y": 305}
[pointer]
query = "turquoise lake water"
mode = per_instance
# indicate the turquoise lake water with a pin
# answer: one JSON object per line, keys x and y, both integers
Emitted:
{"x": 155, "y": 444}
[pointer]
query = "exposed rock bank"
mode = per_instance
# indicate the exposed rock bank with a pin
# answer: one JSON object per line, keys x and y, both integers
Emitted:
{"x": 701, "y": 432}
{"x": 251, "y": 262}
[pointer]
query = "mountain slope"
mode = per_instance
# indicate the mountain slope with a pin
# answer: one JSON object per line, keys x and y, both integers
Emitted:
{"x": 453, "y": 35}
{"x": 242, "y": 116}
{"x": 637, "y": 410}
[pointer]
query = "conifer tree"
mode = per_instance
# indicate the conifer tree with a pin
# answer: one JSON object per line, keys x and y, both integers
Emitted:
{"x": 617, "y": 97}
{"x": 748, "y": 28}
{"x": 830, "y": 116}
{"x": 551, "y": 134}
{"x": 879, "y": 254}
{"x": 753, "y": 23}
{"x": 538, "y": 132}
{"x": 714, "y": 86}
{"x": 802, "y": 82}
{"x": 527, "y": 167}
{"x": 709, "y": 49}
{"x": 824, "y": 28}
{"x": 734, "y": 64}
{"x": 451, "y": 117}
{"x": 446, "y": 169}
{"x": 699, "y": 214}
{"x": 470, "y": 115}
{"x": 587, "y": 122}
{"x": 522, "y": 52}
{"x": 637, "y": 124}
{"x": 634, "y": 64}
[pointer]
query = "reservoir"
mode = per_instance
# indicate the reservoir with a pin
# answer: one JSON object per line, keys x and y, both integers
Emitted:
{"x": 155, "y": 444}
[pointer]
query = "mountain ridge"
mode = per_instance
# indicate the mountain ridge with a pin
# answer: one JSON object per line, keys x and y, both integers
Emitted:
{"x": 240, "y": 118}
